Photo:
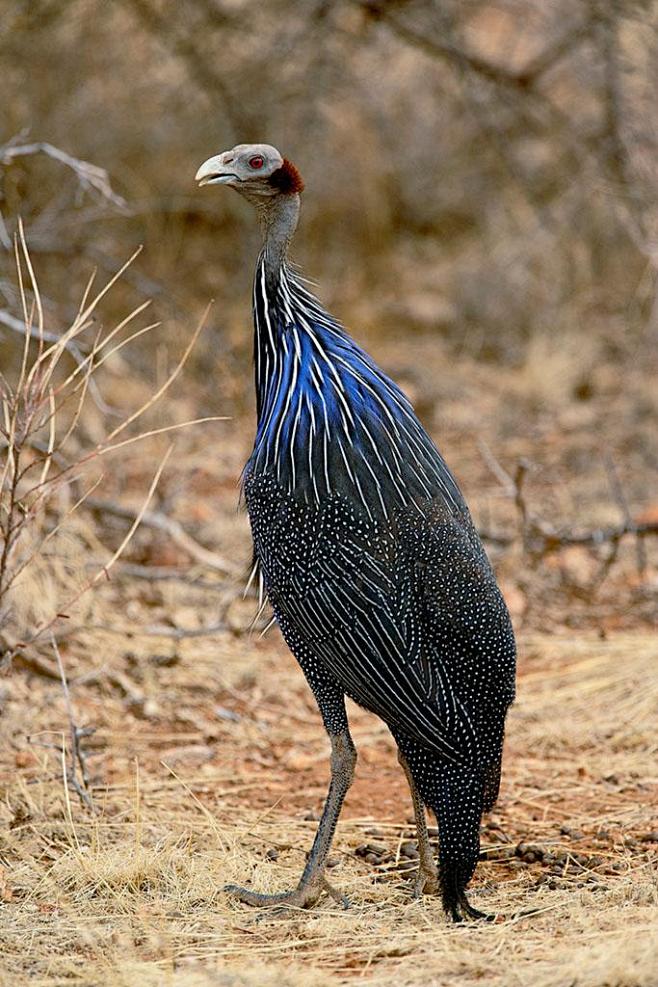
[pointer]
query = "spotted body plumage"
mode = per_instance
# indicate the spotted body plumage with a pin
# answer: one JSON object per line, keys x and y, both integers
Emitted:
{"x": 372, "y": 565}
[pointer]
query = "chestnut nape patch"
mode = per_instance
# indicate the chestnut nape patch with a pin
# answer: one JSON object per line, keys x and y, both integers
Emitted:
{"x": 287, "y": 179}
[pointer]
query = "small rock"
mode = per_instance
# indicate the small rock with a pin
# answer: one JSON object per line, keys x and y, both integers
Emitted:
{"x": 574, "y": 834}
{"x": 272, "y": 854}
{"x": 409, "y": 850}
{"x": 164, "y": 661}
{"x": 367, "y": 850}
{"x": 651, "y": 837}
{"x": 529, "y": 852}
{"x": 25, "y": 759}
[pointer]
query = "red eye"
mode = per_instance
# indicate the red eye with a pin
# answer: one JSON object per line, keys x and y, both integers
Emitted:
{"x": 256, "y": 162}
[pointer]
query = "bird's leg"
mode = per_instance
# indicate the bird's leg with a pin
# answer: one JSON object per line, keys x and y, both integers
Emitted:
{"x": 313, "y": 882}
{"x": 427, "y": 881}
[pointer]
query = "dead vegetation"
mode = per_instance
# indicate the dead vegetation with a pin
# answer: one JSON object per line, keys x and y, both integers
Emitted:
{"x": 209, "y": 766}
{"x": 45, "y": 462}
{"x": 207, "y": 762}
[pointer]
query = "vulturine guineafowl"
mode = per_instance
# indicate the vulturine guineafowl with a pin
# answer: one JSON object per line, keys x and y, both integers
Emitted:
{"x": 374, "y": 570}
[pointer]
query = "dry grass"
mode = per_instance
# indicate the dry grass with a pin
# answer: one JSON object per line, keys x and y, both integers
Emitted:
{"x": 217, "y": 777}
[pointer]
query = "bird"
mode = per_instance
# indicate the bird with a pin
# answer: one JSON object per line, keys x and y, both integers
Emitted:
{"x": 368, "y": 555}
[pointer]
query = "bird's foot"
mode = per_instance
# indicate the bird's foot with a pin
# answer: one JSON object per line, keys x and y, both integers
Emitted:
{"x": 427, "y": 880}
{"x": 305, "y": 895}
{"x": 461, "y": 908}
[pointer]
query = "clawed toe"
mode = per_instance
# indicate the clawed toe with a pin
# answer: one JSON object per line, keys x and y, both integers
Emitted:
{"x": 335, "y": 894}
{"x": 462, "y": 908}
{"x": 475, "y": 913}
{"x": 303, "y": 896}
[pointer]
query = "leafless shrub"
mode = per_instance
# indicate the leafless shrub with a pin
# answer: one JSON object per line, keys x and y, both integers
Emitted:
{"x": 44, "y": 458}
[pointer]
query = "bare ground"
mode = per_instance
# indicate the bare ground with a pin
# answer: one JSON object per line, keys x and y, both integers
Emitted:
{"x": 213, "y": 767}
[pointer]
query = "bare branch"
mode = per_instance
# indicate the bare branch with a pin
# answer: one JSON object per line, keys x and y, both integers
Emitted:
{"x": 161, "y": 630}
{"x": 523, "y": 79}
{"x": 90, "y": 176}
{"x": 174, "y": 530}
{"x": 103, "y": 572}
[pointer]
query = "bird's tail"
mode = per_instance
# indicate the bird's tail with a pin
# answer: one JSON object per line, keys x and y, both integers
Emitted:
{"x": 458, "y": 807}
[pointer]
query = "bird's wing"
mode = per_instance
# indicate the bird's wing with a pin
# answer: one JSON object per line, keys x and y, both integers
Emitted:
{"x": 394, "y": 621}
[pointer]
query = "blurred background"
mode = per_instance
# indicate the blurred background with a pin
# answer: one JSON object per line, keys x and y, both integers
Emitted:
{"x": 480, "y": 210}
{"x": 485, "y": 170}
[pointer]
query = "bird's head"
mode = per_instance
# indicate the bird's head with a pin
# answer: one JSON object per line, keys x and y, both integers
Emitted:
{"x": 257, "y": 171}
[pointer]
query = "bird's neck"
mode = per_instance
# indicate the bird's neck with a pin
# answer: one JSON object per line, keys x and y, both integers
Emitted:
{"x": 278, "y": 220}
{"x": 323, "y": 407}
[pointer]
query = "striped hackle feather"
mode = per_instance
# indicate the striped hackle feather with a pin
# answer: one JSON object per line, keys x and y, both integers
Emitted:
{"x": 329, "y": 420}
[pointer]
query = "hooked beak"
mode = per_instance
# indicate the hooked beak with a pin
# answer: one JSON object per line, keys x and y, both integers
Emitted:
{"x": 214, "y": 172}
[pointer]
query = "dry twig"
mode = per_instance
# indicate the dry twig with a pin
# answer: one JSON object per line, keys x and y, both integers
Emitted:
{"x": 174, "y": 530}
{"x": 540, "y": 539}
{"x": 89, "y": 175}
{"x": 77, "y": 755}
{"x": 33, "y": 440}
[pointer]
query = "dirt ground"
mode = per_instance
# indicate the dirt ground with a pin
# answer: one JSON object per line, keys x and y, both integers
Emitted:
{"x": 208, "y": 763}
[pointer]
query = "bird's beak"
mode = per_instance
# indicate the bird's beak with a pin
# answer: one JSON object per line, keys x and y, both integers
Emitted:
{"x": 215, "y": 172}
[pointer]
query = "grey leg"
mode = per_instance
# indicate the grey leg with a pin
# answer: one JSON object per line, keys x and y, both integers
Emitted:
{"x": 313, "y": 882}
{"x": 427, "y": 881}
